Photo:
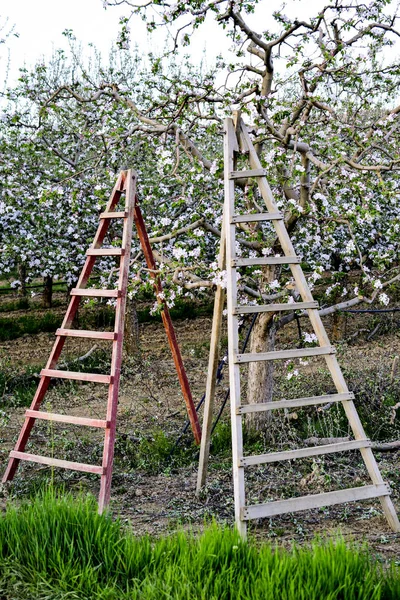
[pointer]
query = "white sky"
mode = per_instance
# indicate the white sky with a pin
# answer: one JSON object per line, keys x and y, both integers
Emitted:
{"x": 40, "y": 24}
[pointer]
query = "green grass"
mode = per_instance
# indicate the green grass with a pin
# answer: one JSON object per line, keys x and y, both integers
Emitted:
{"x": 14, "y": 327}
{"x": 57, "y": 547}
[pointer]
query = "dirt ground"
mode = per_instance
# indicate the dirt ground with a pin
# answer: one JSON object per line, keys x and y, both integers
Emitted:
{"x": 158, "y": 500}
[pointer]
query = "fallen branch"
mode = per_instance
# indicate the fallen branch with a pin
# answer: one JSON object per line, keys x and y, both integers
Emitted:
{"x": 386, "y": 447}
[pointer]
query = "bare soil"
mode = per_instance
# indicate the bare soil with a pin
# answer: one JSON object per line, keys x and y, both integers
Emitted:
{"x": 157, "y": 501}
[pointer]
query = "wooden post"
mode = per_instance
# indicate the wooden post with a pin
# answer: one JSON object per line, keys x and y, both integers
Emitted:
{"x": 219, "y": 302}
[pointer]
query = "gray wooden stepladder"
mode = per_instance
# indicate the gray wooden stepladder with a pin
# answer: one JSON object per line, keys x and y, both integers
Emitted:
{"x": 235, "y": 135}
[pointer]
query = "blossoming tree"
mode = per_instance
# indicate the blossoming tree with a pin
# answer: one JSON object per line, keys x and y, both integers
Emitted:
{"x": 320, "y": 96}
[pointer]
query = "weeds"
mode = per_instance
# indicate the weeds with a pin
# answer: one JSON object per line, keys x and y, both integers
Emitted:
{"x": 14, "y": 327}
{"x": 58, "y": 547}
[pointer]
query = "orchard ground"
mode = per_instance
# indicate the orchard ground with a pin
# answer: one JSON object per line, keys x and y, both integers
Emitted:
{"x": 154, "y": 482}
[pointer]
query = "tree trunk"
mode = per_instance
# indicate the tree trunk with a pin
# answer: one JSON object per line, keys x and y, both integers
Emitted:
{"x": 261, "y": 374}
{"x": 131, "y": 334}
{"x": 47, "y": 292}
{"x": 22, "y": 278}
{"x": 337, "y": 326}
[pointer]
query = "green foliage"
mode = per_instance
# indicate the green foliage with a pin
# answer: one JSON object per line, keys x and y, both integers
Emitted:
{"x": 19, "y": 304}
{"x": 58, "y": 547}
{"x": 14, "y": 327}
{"x": 375, "y": 393}
{"x": 154, "y": 451}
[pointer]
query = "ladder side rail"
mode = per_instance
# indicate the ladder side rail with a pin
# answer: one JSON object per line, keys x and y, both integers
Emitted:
{"x": 233, "y": 327}
{"x": 316, "y": 321}
{"x": 116, "y": 359}
{"x": 211, "y": 382}
{"x": 168, "y": 325}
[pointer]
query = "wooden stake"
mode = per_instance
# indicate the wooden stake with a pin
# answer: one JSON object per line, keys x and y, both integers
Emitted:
{"x": 219, "y": 302}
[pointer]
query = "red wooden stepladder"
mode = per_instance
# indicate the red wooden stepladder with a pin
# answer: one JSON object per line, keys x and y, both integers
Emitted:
{"x": 126, "y": 184}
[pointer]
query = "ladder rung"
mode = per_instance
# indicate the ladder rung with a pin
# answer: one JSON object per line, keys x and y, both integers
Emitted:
{"x": 84, "y": 333}
{"x": 294, "y": 403}
{"x": 265, "y": 260}
{"x": 95, "y": 292}
{"x": 113, "y": 215}
{"x": 76, "y": 375}
{"x": 279, "y": 507}
{"x": 105, "y": 252}
{"x": 250, "y": 218}
{"x": 250, "y": 173}
{"x": 56, "y": 462}
{"x": 38, "y": 414}
{"x": 246, "y": 461}
{"x": 284, "y": 354}
{"x": 258, "y": 308}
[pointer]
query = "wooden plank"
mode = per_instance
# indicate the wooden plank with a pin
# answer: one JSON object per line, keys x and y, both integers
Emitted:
{"x": 56, "y": 462}
{"x": 304, "y": 452}
{"x": 211, "y": 382}
{"x": 92, "y": 293}
{"x": 284, "y": 354}
{"x": 249, "y": 173}
{"x": 105, "y": 252}
{"x": 39, "y": 414}
{"x": 259, "y": 308}
{"x": 253, "y": 217}
{"x": 76, "y": 375}
{"x": 233, "y": 326}
{"x": 84, "y": 333}
{"x": 116, "y": 359}
{"x": 265, "y": 260}
{"x": 258, "y": 511}
{"x": 113, "y": 215}
{"x": 295, "y": 403}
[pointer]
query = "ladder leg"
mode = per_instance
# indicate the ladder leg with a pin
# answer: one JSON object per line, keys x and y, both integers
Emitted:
{"x": 230, "y": 144}
{"x": 210, "y": 388}
{"x": 40, "y": 392}
{"x": 116, "y": 360}
{"x": 219, "y": 302}
{"x": 169, "y": 328}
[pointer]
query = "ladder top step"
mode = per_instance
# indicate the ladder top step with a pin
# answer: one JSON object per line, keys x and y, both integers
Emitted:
{"x": 258, "y": 308}
{"x": 114, "y": 215}
{"x": 105, "y": 252}
{"x": 270, "y": 509}
{"x": 294, "y": 403}
{"x": 84, "y": 333}
{"x": 284, "y": 354}
{"x": 77, "y": 376}
{"x": 252, "y": 217}
{"x": 265, "y": 260}
{"x": 55, "y": 462}
{"x": 46, "y": 416}
{"x": 93, "y": 293}
{"x": 249, "y": 173}
{"x": 271, "y": 457}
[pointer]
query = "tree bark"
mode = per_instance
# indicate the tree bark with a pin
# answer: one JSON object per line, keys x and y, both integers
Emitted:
{"x": 131, "y": 334}
{"x": 261, "y": 374}
{"x": 22, "y": 277}
{"x": 47, "y": 292}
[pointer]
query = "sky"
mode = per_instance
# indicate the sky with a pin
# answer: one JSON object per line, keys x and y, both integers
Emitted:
{"x": 40, "y": 24}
